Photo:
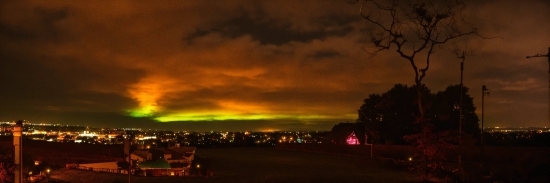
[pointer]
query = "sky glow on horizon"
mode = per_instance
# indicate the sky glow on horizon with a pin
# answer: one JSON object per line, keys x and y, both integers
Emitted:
{"x": 247, "y": 65}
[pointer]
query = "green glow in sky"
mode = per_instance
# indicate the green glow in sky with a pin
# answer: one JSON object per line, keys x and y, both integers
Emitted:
{"x": 221, "y": 116}
{"x": 210, "y": 117}
{"x": 147, "y": 111}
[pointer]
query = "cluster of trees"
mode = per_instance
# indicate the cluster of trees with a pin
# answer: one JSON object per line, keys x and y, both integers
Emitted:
{"x": 6, "y": 165}
{"x": 391, "y": 116}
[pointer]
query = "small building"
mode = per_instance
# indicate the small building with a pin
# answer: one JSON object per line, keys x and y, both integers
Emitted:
{"x": 182, "y": 153}
{"x": 173, "y": 161}
{"x": 147, "y": 154}
{"x": 101, "y": 167}
{"x": 158, "y": 167}
{"x": 347, "y": 134}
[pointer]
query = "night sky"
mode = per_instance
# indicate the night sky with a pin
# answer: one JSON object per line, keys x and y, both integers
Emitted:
{"x": 247, "y": 65}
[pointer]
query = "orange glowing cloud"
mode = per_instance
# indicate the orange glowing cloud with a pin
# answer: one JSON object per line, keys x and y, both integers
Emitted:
{"x": 260, "y": 60}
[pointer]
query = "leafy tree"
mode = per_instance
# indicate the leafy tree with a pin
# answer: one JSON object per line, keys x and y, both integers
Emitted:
{"x": 370, "y": 116}
{"x": 390, "y": 117}
{"x": 446, "y": 111}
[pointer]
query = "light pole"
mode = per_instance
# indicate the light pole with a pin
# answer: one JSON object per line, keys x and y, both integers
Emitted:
{"x": 367, "y": 143}
{"x": 547, "y": 55}
{"x": 127, "y": 153}
{"x": 484, "y": 91}
{"x": 463, "y": 57}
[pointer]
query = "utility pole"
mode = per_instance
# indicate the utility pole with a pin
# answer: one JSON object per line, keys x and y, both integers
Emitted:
{"x": 463, "y": 57}
{"x": 547, "y": 55}
{"x": 484, "y": 91}
{"x": 127, "y": 154}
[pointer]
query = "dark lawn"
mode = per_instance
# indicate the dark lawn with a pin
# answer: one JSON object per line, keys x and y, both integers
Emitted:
{"x": 271, "y": 165}
{"x": 265, "y": 165}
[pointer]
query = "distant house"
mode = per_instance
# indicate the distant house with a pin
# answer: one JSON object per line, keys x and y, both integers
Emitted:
{"x": 173, "y": 161}
{"x": 182, "y": 153}
{"x": 347, "y": 134}
{"x": 100, "y": 167}
{"x": 146, "y": 154}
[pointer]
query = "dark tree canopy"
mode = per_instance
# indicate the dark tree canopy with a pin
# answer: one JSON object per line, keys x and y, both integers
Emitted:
{"x": 390, "y": 116}
{"x": 446, "y": 111}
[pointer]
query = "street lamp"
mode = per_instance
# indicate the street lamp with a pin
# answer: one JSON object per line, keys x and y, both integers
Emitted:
{"x": 547, "y": 55}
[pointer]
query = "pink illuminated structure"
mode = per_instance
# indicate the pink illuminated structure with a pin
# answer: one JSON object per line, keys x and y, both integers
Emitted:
{"x": 352, "y": 139}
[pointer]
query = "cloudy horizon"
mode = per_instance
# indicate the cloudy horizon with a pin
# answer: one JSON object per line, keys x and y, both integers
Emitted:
{"x": 234, "y": 65}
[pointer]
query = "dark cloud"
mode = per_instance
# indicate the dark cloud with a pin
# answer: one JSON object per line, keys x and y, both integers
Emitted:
{"x": 270, "y": 31}
{"x": 325, "y": 54}
{"x": 49, "y": 18}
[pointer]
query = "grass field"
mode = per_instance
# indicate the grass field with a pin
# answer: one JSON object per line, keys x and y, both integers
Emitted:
{"x": 270, "y": 165}
{"x": 265, "y": 165}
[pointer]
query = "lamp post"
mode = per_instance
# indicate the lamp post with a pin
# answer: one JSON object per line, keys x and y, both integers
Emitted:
{"x": 484, "y": 91}
{"x": 547, "y": 55}
{"x": 127, "y": 153}
{"x": 367, "y": 143}
{"x": 463, "y": 57}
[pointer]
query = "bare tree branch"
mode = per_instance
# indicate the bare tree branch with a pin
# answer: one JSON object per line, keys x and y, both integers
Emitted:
{"x": 413, "y": 27}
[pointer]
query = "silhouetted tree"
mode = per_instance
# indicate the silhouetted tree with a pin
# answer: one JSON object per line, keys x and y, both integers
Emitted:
{"x": 446, "y": 111}
{"x": 390, "y": 116}
{"x": 415, "y": 29}
{"x": 371, "y": 117}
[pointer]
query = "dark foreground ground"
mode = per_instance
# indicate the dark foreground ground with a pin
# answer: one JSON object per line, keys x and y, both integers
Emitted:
{"x": 264, "y": 165}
